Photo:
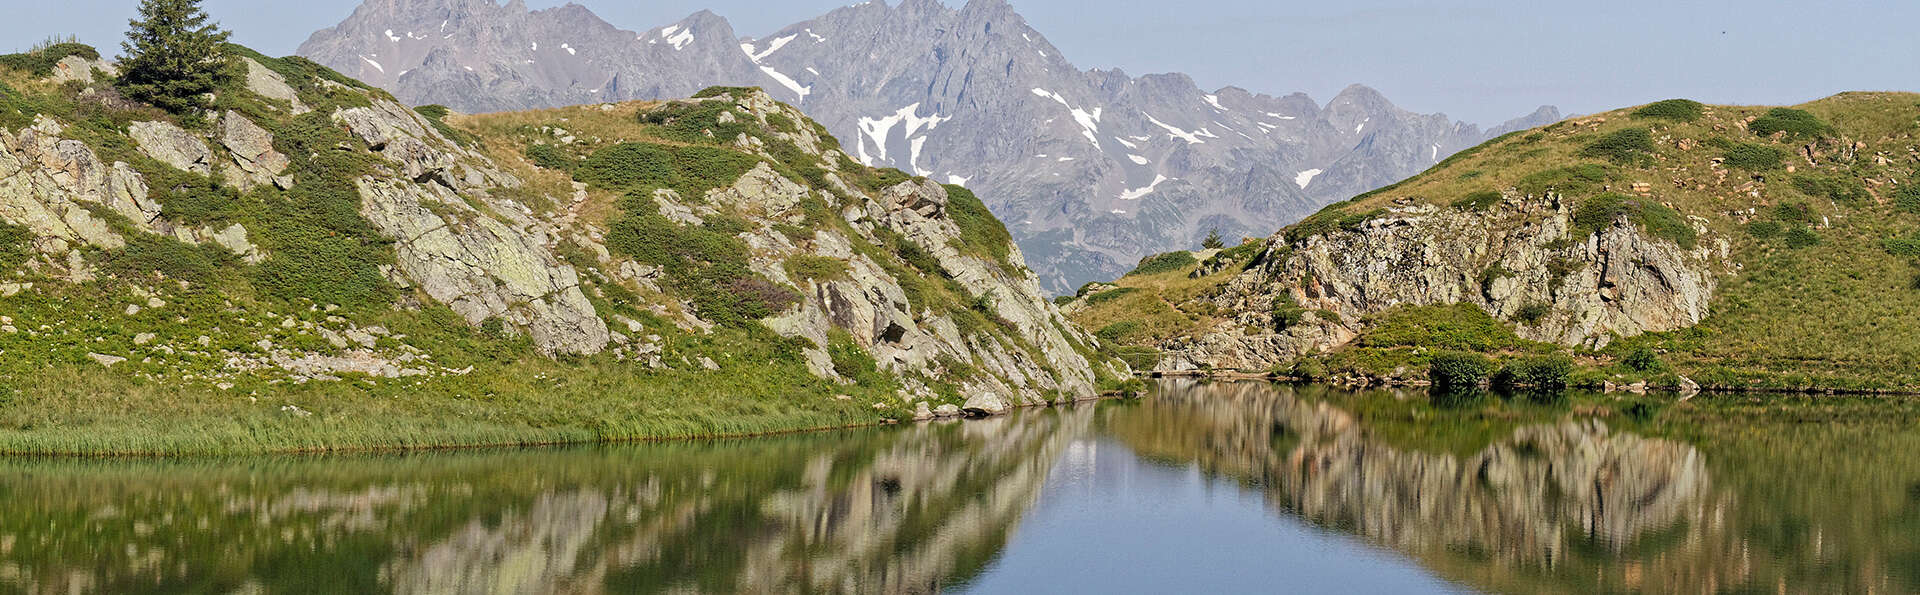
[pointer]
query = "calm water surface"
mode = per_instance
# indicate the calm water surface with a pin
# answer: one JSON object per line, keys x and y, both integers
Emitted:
{"x": 1203, "y": 487}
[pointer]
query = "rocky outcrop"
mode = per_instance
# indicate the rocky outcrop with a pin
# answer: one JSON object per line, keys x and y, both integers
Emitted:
{"x": 481, "y": 267}
{"x": 266, "y": 83}
{"x": 45, "y": 179}
{"x": 421, "y": 153}
{"x": 255, "y": 162}
{"x": 1520, "y": 257}
{"x": 173, "y": 146}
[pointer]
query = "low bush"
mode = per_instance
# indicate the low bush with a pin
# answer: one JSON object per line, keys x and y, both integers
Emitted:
{"x": 551, "y": 157}
{"x": 40, "y": 62}
{"x": 1802, "y": 237}
{"x": 1642, "y": 359}
{"x": 1841, "y": 190}
{"x": 1478, "y": 201}
{"x": 1532, "y": 313}
{"x": 1796, "y": 123}
{"x": 1624, "y": 147}
{"x": 644, "y": 167}
{"x": 1329, "y": 220}
{"x": 1764, "y": 230}
{"x": 1793, "y": 212}
{"x": 698, "y": 123}
{"x": 1308, "y": 369}
{"x": 1597, "y": 213}
{"x": 1458, "y": 327}
{"x": 981, "y": 234}
{"x": 1118, "y": 332}
{"x": 16, "y": 247}
{"x": 1908, "y": 246}
{"x": 1286, "y": 313}
{"x": 1110, "y": 295}
{"x": 1678, "y": 110}
{"x": 1455, "y": 369}
{"x": 1542, "y": 372}
{"x": 436, "y": 115}
{"x": 815, "y": 268}
{"x": 1164, "y": 263}
{"x": 1907, "y": 198}
{"x": 1571, "y": 180}
{"x": 1754, "y": 157}
{"x": 707, "y": 265}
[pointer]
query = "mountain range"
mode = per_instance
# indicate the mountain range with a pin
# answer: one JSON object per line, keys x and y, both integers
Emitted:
{"x": 1091, "y": 169}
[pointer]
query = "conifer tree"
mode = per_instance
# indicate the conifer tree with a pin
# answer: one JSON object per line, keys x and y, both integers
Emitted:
{"x": 174, "y": 57}
{"x": 1213, "y": 241}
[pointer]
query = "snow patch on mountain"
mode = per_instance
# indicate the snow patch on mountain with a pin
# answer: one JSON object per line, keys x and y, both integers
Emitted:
{"x": 1306, "y": 177}
{"x": 1089, "y": 121}
{"x": 1175, "y": 132}
{"x": 1138, "y": 193}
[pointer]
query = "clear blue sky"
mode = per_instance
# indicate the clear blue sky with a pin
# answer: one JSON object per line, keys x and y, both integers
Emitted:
{"x": 1480, "y": 61}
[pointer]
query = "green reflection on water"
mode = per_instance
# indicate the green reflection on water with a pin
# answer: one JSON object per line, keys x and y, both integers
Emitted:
{"x": 1586, "y": 494}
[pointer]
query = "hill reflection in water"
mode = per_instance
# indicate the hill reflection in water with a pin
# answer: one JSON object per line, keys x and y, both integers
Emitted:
{"x": 1593, "y": 494}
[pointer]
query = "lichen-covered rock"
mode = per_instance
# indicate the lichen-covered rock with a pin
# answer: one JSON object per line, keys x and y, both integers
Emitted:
{"x": 1522, "y": 256}
{"x": 482, "y": 268}
{"x": 173, "y": 146}
{"x": 407, "y": 140}
{"x": 45, "y": 178}
{"x": 269, "y": 84}
{"x": 255, "y": 162}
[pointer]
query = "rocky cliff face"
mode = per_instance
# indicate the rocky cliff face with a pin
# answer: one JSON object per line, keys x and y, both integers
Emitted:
{"x": 1521, "y": 262}
{"x": 1092, "y": 170}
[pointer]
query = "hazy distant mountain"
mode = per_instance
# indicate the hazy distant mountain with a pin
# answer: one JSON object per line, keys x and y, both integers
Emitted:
{"x": 1091, "y": 170}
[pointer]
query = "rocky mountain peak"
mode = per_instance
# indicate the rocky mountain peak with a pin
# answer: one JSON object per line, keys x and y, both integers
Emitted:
{"x": 1092, "y": 170}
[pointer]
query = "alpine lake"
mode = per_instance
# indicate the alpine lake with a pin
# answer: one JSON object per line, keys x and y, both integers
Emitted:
{"x": 1199, "y": 487}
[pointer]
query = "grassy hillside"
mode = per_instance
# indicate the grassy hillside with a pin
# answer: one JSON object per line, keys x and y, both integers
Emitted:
{"x": 1816, "y": 204}
{"x": 197, "y": 326}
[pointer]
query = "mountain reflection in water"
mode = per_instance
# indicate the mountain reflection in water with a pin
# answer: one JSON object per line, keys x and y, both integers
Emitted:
{"x": 1595, "y": 494}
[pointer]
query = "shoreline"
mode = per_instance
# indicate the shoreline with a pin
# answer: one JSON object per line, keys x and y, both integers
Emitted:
{"x": 1395, "y": 383}
{"x": 450, "y": 446}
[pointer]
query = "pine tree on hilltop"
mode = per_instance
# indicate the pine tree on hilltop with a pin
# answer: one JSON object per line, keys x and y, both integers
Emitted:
{"x": 1213, "y": 241}
{"x": 174, "y": 57}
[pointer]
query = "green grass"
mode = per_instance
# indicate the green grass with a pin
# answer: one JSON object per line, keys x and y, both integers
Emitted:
{"x": 1597, "y": 213}
{"x": 1795, "y": 122}
{"x": 1623, "y": 147}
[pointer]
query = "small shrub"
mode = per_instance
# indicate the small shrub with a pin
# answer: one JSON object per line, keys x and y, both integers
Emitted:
{"x": 1110, "y": 295}
{"x": 1454, "y": 369}
{"x": 1796, "y": 123}
{"x": 1643, "y": 359}
{"x": 1532, "y": 313}
{"x": 1308, "y": 369}
{"x": 551, "y": 157}
{"x": 1793, "y": 212}
{"x": 1493, "y": 272}
{"x": 436, "y": 115}
{"x": 1764, "y": 230}
{"x": 1542, "y": 372}
{"x": 1164, "y": 263}
{"x": 1754, "y": 157}
{"x": 852, "y": 362}
{"x": 1458, "y": 327}
{"x": 981, "y": 234}
{"x": 717, "y": 91}
{"x": 1570, "y": 180}
{"x": 1286, "y": 313}
{"x": 815, "y": 268}
{"x": 1624, "y": 147}
{"x": 16, "y": 247}
{"x": 40, "y": 61}
{"x": 1907, "y": 198}
{"x": 1678, "y": 110}
{"x": 1802, "y": 237}
{"x": 1840, "y": 190}
{"x": 1118, "y": 332}
{"x": 1908, "y": 246}
{"x": 1478, "y": 201}
{"x": 1661, "y": 221}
